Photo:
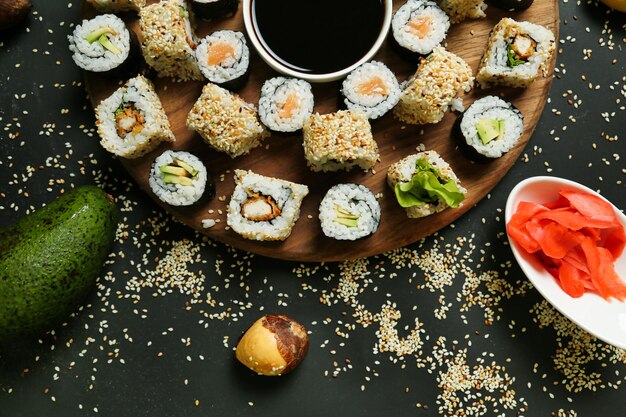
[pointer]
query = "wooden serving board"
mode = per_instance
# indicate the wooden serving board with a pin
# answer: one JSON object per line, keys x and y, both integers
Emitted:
{"x": 283, "y": 157}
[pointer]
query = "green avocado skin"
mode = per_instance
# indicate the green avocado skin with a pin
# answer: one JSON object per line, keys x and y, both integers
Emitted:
{"x": 50, "y": 259}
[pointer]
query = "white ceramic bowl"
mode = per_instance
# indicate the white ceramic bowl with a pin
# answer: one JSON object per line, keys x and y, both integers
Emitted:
{"x": 314, "y": 78}
{"x": 603, "y": 319}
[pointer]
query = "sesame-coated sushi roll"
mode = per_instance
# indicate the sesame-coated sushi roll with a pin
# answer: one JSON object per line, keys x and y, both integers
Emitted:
{"x": 212, "y": 9}
{"x": 371, "y": 88}
{"x": 116, "y": 6}
{"x": 424, "y": 184}
{"x": 340, "y": 140}
{"x": 432, "y": 90}
{"x": 459, "y": 10}
{"x": 419, "y": 26}
{"x": 264, "y": 208}
{"x": 349, "y": 212}
{"x": 226, "y": 122}
{"x": 488, "y": 129}
{"x": 104, "y": 45}
{"x": 223, "y": 58}
{"x": 179, "y": 178}
{"x": 132, "y": 122}
{"x": 168, "y": 40}
{"x": 285, "y": 104}
{"x": 517, "y": 54}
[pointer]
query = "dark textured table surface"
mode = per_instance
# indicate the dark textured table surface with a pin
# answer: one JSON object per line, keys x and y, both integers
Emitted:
{"x": 448, "y": 326}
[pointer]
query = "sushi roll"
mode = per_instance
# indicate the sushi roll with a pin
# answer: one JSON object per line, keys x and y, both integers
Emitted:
{"x": 371, "y": 88}
{"x": 212, "y": 9}
{"x": 116, "y": 6}
{"x": 349, "y": 212}
{"x": 132, "y": 122}
{"x": 226, "y": 122}
{"x": 419, "y": 26}
{"x": 169, "y": 42}
{"x": 264, "y": 208}
{"x": 424, "y": 184}
{"x": 511, "y": 5}
{"x": 459, "y": 10}
{"x": 433, "y": 89}
{"x": 104, "y": 45}
{"x": 517, "y": 53}
{"x": 285, "y": 104}
{"x": 340, "y": 140}
{"x": 489, "y": 128}
{"x": 179, "y": 178}
{"x": 223, "y": 58}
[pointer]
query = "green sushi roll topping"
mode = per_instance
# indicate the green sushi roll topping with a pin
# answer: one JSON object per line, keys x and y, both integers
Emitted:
{"x": 489, "y": 129}
{"x": 345, "y": 217}
{"x": 427, "y": 186}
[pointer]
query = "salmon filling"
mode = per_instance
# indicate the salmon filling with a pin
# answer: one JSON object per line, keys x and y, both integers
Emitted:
{"x": 287, "y": 108}
{"x": 220, "y": 52}
{"x": 373, "y": 86}
{"x": 129, "y": 120}
{"x": 260, "y": 208}
{"x": 419, "y": 27}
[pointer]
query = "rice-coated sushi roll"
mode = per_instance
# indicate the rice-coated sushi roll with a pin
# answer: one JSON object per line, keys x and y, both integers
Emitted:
{"x": 349, "y": 212}
{"x": 432, "y": 90}
{"x": 114, "y": 6}
{"x": 226, "y": 122}
{"x": 489, "y": 128}
{"x": 420, "y": 26}
{"x": 264, "y": 208}
{"x": 424, "y": 184}
{"x": 104, "y": 44}
{"x": 132, "y": 122}
{"x": 459, "y": 10}
{"x": 178, "y": 178}
{"x": 371, "y": 88}
{"x": 517, "y": 53}
{"x": 223, "y": 58}
{"x": 212, "y": 9}
{"x": 340, "y": 140}
{"x": 285, "y": 103}
{"x": 169, "y": 42}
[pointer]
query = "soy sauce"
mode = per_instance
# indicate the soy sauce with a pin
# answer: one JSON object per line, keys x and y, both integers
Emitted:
{"x": 318, "y": 36}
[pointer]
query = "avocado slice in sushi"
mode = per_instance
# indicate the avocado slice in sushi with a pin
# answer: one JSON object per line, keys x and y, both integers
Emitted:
{"x": 177, "y": 179}
{"x": 97, "y": 34}
{"x": 489, "y": 129}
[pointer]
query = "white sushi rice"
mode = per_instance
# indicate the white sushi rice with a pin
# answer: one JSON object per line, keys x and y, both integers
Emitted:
{"x": 139, "y": 92}
{"x": 92, "y": 56}
{"x": 286, "y": 194}
{"x": 415, "y": 9}
{"x": 275, "y": 93}
{"x": 355, "y": 199}
{"x": 229, "y": 69}
{"x": 378, "y": 103}
{"x": 492, "y": 107}
{"x": 177, "y": 194}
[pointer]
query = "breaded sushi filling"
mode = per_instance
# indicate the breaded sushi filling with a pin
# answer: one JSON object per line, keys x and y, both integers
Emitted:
{"x": 260, "y": 208}
{"x": 128, "y": 119}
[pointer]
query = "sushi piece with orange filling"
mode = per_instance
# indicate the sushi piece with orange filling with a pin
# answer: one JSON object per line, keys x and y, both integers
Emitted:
{"x": 223, "y": 58}
{"x": 419, "y": 26}
{"x": 285, "y": 104}
{"x": 371, "y": 88}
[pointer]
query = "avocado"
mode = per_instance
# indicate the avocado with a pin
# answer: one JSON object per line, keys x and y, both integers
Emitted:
{"x": 176, "y": 179}
{"x": 177, "y": 171}
{"x": 489, "y": 129}
{"x": 191, "y": 170}
{"x": 50, "y": 259}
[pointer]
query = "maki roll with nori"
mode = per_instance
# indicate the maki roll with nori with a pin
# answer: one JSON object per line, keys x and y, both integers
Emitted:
{"x": 212, "y": 9}
{"x": 131, "y": 122}
{"x": 264, "y": 208}
{"x": 419, "y": 26}
{"x": 371, "y": 88}
{"x": 223, "y": 58}
{"x": 179, "y": 178}
{"x": 104, "y": 45}
{"x": 425, "y": 184}
{"x": 349, "y": 212}
{"x": 511, "y": 5}
{"x": 285, "y": 104}
{"x": 488, "y": 129}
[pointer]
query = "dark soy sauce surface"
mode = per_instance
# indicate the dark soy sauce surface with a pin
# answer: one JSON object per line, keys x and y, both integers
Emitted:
{"x": 318, "y": 36}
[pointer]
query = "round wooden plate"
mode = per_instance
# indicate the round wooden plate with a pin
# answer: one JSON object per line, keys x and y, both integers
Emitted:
{"x": 283, "y": 156}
